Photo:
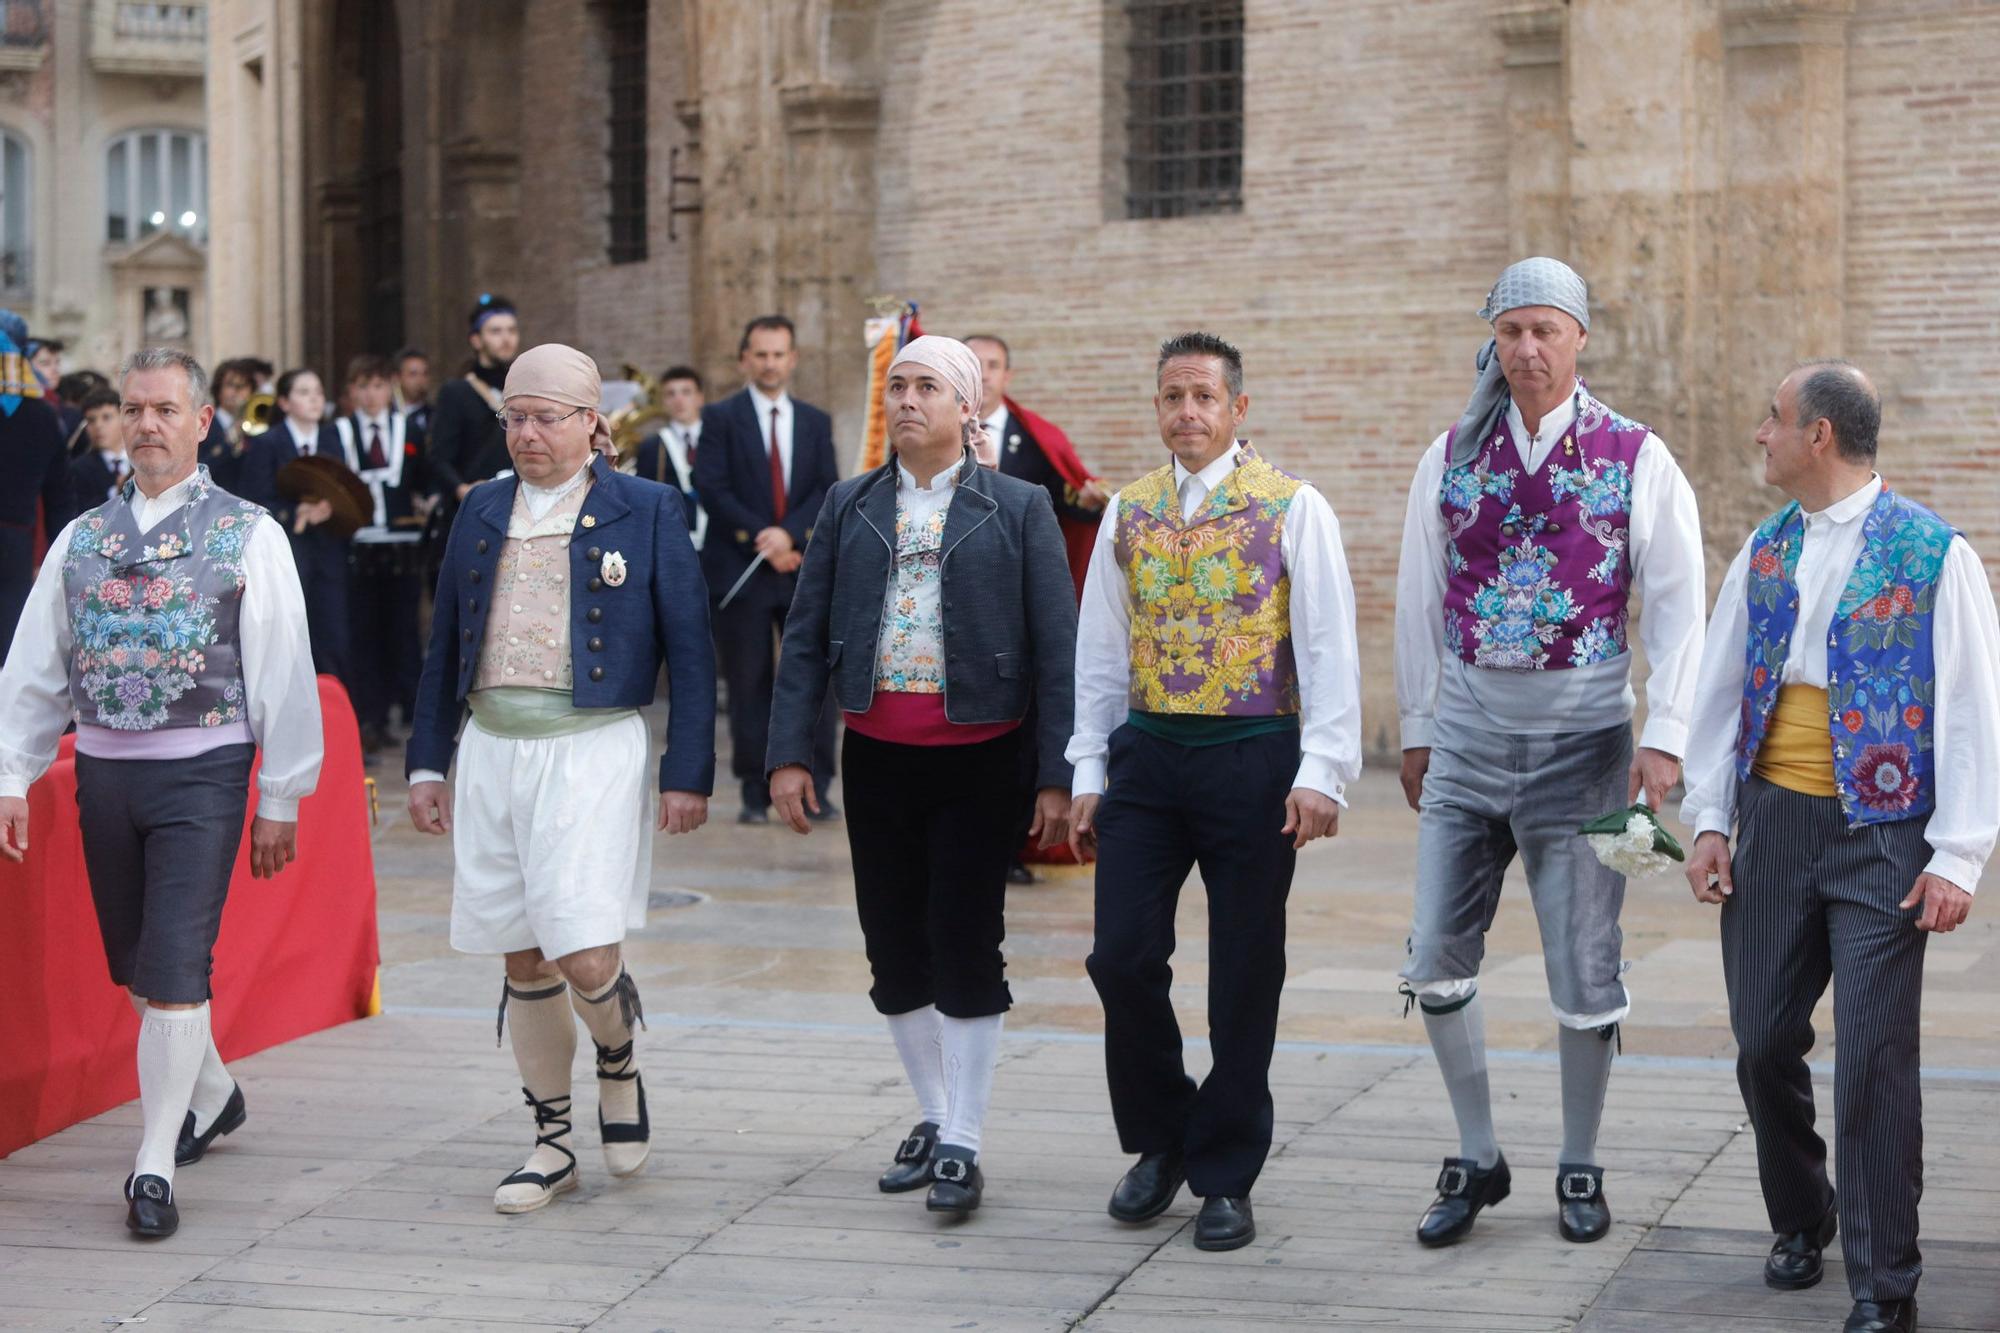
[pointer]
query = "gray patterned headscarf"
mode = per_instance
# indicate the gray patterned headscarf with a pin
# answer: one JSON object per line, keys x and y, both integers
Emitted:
{"x": 1537, "y": 281}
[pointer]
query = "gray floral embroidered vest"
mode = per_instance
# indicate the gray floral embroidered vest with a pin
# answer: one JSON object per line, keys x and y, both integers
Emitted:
{"x": 153, "y": 617}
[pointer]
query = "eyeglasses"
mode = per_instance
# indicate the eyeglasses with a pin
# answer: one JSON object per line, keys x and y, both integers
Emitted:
{"x": 513, "y": 421}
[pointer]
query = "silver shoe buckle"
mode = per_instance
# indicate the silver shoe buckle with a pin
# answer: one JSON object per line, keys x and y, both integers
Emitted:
{"x": 1453, "y": 1181}
{"x": 952, "y": 1171}
{"x": 1583, "y": 1178}
{"x": 913, "y": 1148}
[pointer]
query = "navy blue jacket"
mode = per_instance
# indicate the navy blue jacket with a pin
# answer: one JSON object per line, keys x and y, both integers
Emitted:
{"x": 732, "y": 472}
{"x": 1009, "y": 611}
{"x": 619, "y": 636}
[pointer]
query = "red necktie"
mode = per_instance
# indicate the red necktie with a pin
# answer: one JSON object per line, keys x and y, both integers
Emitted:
{"x": 376, "y": 458}
{"x": 777, "y": 472}
{"x": 688, "y": 446}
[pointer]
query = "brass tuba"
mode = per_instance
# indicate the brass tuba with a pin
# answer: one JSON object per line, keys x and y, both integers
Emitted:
{"x": 259, "y": 411}
{"x": 632, "y": 423}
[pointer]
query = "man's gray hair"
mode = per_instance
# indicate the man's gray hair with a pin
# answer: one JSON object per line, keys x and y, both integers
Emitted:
{"x": 169, "y": 358}
{"x": 1837, "y": 392}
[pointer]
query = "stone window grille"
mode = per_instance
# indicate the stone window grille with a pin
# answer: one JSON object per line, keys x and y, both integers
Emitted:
{"x": 156, "y": 180}
{"x": 625, "y": 38}
{"x": 1184, "y": 108}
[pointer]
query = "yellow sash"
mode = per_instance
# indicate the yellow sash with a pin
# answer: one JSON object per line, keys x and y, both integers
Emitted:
{"x": 1797, "y": 753}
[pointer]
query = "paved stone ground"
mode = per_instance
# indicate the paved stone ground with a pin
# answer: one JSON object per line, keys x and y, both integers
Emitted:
{"x": 359, "y": 1193}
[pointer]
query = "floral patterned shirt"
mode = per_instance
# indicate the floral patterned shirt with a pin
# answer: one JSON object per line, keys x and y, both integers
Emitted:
{"x": 909, "y": 654}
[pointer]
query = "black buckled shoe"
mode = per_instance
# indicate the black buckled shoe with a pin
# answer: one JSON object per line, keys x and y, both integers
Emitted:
{"x": 1224, "y": 1224}
{"x": 149, "y": 1207}
{"x": 193, "y": 1146}
{"x": 1581, "y": 1213}
{"x": 912, "y": 1168}
{"x": 1882, "y": 1317}
{"x": 1145, "y": 1191}
{"x": 1795, "y": 1262}
{"x": 956, "y": 1181}
{"x": 1463, "y": 1189}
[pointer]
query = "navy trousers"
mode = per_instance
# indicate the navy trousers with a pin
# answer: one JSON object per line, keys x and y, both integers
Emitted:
{"x": 1167, "y": 809}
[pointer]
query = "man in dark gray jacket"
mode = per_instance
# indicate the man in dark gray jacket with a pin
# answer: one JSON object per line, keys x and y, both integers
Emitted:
{"x": 936, "y": 602}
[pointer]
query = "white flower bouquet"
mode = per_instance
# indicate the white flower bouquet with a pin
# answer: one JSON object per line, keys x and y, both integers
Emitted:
{"x": 1632, "y": 842}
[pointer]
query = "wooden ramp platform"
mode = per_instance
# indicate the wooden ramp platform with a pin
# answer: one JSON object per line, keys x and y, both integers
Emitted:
{"x": 359, "y": 1196}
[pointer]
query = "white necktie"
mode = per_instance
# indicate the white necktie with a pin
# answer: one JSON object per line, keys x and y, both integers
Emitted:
{"x": 1193, "y": 493}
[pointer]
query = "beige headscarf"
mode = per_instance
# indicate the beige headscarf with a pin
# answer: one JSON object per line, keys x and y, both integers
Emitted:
{"x": 959, "y": 366}
{"x": 561, "y": 375}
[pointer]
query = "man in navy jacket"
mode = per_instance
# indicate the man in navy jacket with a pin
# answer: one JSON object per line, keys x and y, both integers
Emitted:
{"x": 764, "y": 468}
{"x": 564, "y": 591}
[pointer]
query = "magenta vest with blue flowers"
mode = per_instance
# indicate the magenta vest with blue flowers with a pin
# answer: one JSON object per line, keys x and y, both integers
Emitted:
{"x": 1538, "y": 570}
{"x": 153, "y": 617}
{"x": 1881, "y": 679}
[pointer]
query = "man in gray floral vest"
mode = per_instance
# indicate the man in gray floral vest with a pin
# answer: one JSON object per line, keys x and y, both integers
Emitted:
{"x": 168, "y": 624}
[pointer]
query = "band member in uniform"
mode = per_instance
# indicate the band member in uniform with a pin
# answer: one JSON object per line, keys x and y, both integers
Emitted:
{"x": 1218, "y": 722}
{"x": 669, "y": 456}
{"x": 413, "y": 389}
{"x": 467, "y": 445}
{"x": 765, "y": 464}
{"x": 100, "y": 471}
{"x": 387, "y": 453}
{"x": 565, "y": 589}
{"x": 1847, "y": 724}
{"x": 165, "y": 734}
{"x": 35, "y": 486}
{"x": 321, "y": 557}
{"x": 936, "y": 665}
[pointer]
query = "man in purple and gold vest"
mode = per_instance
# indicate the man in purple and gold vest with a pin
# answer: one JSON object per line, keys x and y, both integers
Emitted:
{"x": 168, "y": 623}
{"x": 1218, "y": 723}
{"x": 1531, "y": 526}
{"x": 1847, "y": 723}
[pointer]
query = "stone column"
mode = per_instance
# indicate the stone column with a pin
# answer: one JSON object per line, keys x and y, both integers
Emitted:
{"x": 1538, "y": 130}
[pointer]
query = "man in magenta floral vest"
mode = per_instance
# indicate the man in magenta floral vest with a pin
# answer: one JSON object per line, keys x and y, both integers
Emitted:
{"x": 1847, "y": 724}
{"x": 1531, "y": 526}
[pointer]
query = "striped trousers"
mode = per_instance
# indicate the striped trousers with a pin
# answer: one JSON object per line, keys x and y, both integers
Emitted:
{"x": 1816, "y": 901}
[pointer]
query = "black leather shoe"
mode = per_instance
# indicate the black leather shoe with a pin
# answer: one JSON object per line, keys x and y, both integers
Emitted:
{"x": 1463, "y": 1189}
{"x": 149, "y": 1208}
{"x": 828, "y": 812}
{"x": 1795, "y": 1262}
{"x": 1224, "y": 1224}
{"x": 956, "y": 1182}
{"x": 1581, "y": 1213}
{"x": 1147, "y": 1189}
{"x": 192, "y": 1145}
{"x": 1020, "y": 874}
{"x": 912, "y": 1168}
{"x": 1881, "y": 1317}
{"x": 747, "y": 815}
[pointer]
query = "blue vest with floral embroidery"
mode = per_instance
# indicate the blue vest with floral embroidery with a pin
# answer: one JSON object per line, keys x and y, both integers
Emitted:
{"x": 1881, "y": 678}
{"x": 153, "y": 616}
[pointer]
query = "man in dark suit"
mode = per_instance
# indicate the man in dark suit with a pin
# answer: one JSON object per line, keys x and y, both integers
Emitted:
{"x": 413, "y": 389}
{"x": 34, "y": 475}
{"x": 764, "y": 467}
{"x": 100, "y": 468}
{"x": 669, "y": 456}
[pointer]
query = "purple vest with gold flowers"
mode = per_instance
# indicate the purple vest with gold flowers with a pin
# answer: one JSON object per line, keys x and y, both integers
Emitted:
{"x": 1211, "y": 630}
{"x": 1538, "y": 572}
{"x": 153, "y": 616}
{"x": 1881, "y": 677}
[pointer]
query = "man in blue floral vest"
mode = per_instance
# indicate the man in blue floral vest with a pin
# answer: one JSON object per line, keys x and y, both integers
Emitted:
{"x": 168, "y": 624}
{"x": 1847, "y": 724}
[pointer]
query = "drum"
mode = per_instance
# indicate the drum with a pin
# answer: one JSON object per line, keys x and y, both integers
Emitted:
{"x": 381, "y": 553}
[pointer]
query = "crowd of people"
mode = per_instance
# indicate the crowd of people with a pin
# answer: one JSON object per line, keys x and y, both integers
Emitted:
{"x": 1837, "y": 715}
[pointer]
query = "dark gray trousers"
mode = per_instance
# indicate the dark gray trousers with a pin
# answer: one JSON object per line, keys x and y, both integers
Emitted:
{"x": 160, "y": 838}
{"x": 1815, "y": 901}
